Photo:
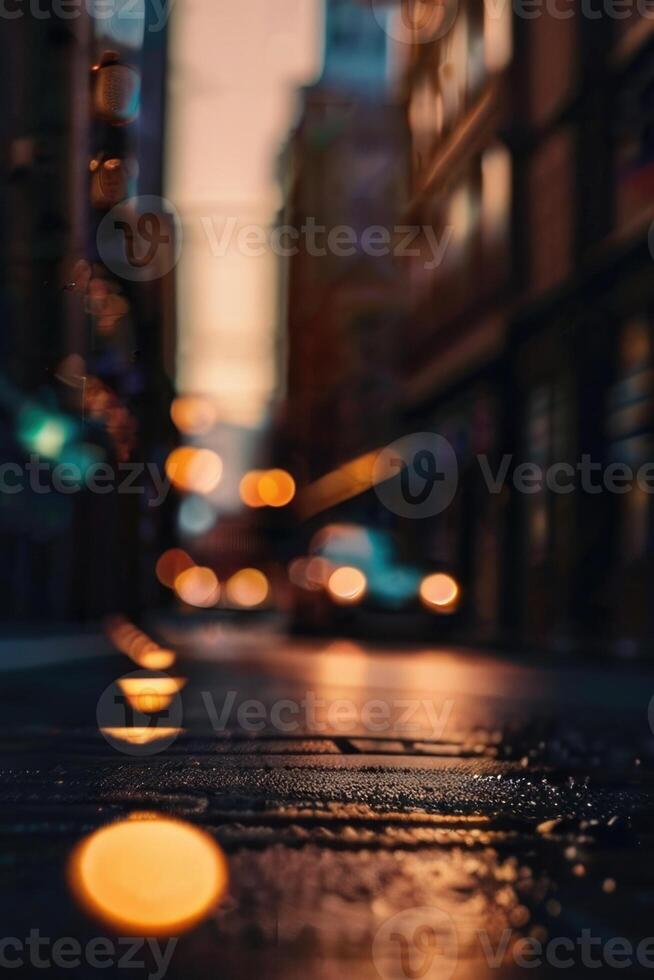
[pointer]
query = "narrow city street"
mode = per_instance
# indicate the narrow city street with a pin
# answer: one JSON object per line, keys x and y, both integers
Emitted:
{"x": 326, "y": 489}
{"x": 360, "y": 794}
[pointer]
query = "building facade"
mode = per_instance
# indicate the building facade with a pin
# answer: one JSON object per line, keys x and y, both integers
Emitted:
{"x": 87, "y": 351}
{"x": 530, "y": 340}
{"x": 535, "y": 335}
{"x": 345, "y": 176}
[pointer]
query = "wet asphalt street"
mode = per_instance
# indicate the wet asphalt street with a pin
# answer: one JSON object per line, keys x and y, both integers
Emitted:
{"x": 394, "y": 813}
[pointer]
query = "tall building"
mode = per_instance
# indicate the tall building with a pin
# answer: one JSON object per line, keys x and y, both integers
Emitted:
{"x": 345, "y": 173}
{"x": 460, "y": 90}
{"x": 531, "y": 161}
{"x": 86, "y": 349}
{"x": 45, "y": 134}
{"x": 582, "y": 334}
{"x": 534, "y": 337}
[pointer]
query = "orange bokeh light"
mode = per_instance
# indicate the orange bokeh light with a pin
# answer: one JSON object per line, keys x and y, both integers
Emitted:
{"x": 194, "y": 470}
{"x": 149, "y": 695}
{"x": 171, "y": 564}
{"x": 347, "y": 585}
{"x": 249, "y": 489}
{"x": 149, "y": 875}
{"x": 198, "y": 587}
{"x": 129, "y": 639}
{"x": 193, "y": 414}
{"x": 276, "y": 488}
{"x": 440, "y": 592}
{"x": 157, "y": 659}
{"x": 247, "y": 588}
{"x": 140, "y": 735}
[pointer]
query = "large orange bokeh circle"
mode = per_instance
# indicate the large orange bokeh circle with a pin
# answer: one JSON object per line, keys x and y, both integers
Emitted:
{"x": 149, "y": 875}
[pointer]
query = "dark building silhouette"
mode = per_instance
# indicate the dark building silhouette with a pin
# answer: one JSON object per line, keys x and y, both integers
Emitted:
{"x": 85, "y": 353}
